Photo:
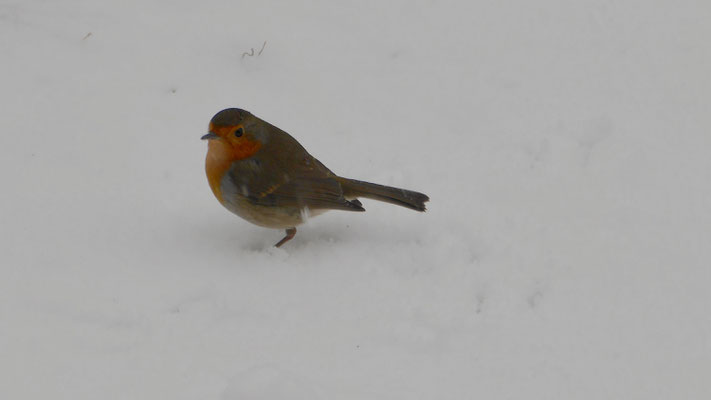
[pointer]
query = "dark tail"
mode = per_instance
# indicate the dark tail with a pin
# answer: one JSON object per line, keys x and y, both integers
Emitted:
{"x": 406, "y": 198}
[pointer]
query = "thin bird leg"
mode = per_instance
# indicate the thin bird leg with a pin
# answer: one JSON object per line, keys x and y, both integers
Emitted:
{"x": 290, "y": 233}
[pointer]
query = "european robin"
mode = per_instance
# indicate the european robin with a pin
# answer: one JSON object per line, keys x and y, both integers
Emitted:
{"x": 265, "y": 176}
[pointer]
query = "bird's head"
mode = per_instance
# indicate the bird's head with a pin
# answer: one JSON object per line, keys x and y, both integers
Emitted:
{"x": 232, "y": 129}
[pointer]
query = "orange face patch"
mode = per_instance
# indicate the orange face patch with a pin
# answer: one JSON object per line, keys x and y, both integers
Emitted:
{"x": 245, "y": 149}
{"x": 242, "y": 147}
{"x": 222, "y": 152}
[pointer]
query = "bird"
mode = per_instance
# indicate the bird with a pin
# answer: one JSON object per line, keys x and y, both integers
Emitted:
{"x": 262, "y": 174}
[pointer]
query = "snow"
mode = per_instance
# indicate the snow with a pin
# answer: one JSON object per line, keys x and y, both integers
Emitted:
{"x": 565, "y": 253}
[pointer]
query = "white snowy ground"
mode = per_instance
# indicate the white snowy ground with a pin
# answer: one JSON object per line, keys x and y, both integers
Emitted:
{"x": 565, "y": 254}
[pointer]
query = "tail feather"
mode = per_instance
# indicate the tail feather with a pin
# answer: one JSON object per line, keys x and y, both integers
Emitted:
{"x": 405, "y": 198}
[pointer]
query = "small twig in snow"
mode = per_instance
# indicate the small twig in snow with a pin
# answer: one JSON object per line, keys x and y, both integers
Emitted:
{"x": 251, "y": 52}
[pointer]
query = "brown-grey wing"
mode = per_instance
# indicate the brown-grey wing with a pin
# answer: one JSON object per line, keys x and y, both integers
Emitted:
{"x": 312, "y": 193}
{"x": 300, "y": 187}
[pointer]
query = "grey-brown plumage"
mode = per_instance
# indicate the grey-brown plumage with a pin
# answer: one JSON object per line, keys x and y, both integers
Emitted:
{"x": 264, "y": 175}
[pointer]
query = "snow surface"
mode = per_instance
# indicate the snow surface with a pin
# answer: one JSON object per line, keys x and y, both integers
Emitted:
{"x": 565, "y": 253}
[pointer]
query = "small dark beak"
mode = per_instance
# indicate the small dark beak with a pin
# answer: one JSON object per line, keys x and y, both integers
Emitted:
{"x": 209, "y": 136}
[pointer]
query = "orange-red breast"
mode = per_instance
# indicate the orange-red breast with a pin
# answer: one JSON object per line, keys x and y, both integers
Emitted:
{"x": 265, "y": 176}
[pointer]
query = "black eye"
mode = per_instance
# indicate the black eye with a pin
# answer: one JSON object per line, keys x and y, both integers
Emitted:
{"x": 239, "y": 132}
